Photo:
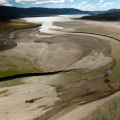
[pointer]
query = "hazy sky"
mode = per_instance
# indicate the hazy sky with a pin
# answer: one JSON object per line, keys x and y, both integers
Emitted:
{"x": 79, "y": 4}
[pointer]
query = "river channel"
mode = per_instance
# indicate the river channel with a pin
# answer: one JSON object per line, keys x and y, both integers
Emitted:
{"x": 68, "y": 78}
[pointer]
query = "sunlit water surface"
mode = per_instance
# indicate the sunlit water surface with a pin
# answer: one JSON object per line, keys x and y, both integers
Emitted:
{"x": 47, "y": 22}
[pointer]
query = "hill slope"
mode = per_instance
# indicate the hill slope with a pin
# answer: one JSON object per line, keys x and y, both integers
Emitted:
{"x": 104, "y": 17}
{"x": 113, "y": 11}
{"x": 98, "y": 12}
{"x": 12, "y": 12}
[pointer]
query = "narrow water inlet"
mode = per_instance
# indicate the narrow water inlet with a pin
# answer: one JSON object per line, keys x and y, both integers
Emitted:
{"x": 62, "y": 78}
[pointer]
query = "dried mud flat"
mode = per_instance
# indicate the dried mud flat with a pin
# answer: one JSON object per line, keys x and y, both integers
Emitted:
{"x": 55, "y": 53}
{"x": 63, "y": 52}
{"x": 41, "y": 102}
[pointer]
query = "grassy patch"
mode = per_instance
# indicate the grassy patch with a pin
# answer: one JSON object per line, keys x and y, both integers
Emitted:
{"x": 11, "y": 65}
{"x": 15, "y": 72}
{"x": 10, "y": 25}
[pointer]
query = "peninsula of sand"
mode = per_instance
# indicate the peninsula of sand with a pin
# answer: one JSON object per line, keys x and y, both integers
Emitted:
{"x": 81, "y": 48}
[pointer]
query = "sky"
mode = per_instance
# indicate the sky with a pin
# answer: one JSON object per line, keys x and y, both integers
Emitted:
{"x": 90, "y": 5}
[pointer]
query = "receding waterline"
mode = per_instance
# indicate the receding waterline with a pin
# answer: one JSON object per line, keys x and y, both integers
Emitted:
{"x": 47, "y": 22}
{"x": 64, "y": 78}
{"x": 115, "y": 44}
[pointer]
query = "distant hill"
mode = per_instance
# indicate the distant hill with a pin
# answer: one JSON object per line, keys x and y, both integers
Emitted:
{"x": 12, "y": 12}
{"x": 98, "y": 12}
{"x": 113, "y": 11}
{"x": 107, "y": 11}
{"x": 104, "y": 17}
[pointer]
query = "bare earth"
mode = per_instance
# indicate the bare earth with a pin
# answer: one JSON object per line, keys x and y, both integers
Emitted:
{"x": 48, "y": 55}
{"x": 56, "y": 53}
{"x": 17, "y": 108}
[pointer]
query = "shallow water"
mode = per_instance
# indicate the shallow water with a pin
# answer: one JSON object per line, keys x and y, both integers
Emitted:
{"x": 47, "y": 22}
{"x": 113, "y": 77}
{"x": 116, "y": 69}
{"x": 56, "y": 79}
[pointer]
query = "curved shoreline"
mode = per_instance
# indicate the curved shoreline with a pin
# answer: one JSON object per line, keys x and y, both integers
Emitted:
{"x": 9, "y": 43}
{"x": 45, "y": 73}
{"x": 77, "y": 94}
{"x": 97, "y": 34}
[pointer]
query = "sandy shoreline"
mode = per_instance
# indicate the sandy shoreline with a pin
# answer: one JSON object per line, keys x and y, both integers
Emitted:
{"x": 9, "y": 44}
{"x": 61, "y": 53}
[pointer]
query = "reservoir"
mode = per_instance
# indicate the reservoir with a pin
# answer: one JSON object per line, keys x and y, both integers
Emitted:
{"x": 66, "y": 78}
{"x": 47, "y": 22}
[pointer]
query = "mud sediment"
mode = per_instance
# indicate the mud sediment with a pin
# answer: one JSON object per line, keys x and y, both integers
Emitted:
{"x": 68, "y": 97}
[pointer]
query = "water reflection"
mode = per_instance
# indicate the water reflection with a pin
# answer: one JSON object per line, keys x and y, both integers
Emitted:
{"x": 47, "y": 22}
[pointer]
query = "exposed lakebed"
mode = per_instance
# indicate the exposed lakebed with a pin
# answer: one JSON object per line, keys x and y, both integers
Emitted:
{"x": 66, "y": 78}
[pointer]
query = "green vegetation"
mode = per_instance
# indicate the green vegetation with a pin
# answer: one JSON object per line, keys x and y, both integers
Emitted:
{"x": 103, "y": 17}
{"x": 55, "y": 79}
{"x": 11, "y": 65}
{"x": 13, "y": 82}
{"x": 110, "y": 110}
{"x": 17, "y": 71}
{"x": 10, "y": 25}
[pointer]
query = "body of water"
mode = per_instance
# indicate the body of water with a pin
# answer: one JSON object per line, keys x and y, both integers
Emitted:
{"x": 47, "y": 22}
